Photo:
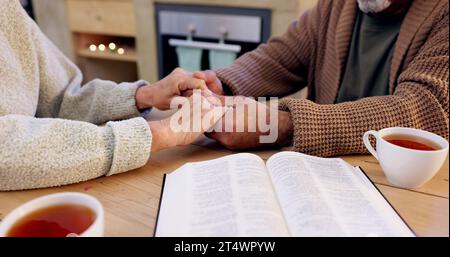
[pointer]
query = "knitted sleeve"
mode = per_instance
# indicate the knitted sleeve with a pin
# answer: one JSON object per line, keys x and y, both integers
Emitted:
{"x": 283, "y": 62}
{"x": 47, "y": 135}
{"x": 63, "y": 94}
{"x": 419, "y": 101}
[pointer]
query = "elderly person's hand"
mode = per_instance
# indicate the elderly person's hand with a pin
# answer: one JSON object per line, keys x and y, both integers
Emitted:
{"x": 212, "y": 81}
{"x": 161, "y": 93}
{"x": 252, "y": 124}
{"x": 197, "y": 115}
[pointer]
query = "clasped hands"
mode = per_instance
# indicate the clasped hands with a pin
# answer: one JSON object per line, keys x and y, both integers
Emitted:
{"x": 236, "y": 122}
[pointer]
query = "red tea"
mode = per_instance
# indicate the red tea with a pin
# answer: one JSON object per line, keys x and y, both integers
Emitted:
{"x": 412, "y": 142}
{"x": 54, "y": 221}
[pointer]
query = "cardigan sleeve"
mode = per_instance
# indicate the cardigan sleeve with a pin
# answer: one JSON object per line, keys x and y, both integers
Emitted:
{"x": 421, "y": 100}
{"x": 277, "y": 68}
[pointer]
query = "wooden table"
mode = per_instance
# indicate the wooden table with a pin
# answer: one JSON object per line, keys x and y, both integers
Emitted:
{"x": 131, "y": 199}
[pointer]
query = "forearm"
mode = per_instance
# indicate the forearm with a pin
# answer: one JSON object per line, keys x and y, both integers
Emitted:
{"x": 100, "y": 101}
{"x": 337, "y": 129}
{"x": 259, "y": 74}
{"x": 61, "y": 92}
{"x": 39, "y": 153}
{"x": 277, "y": 68}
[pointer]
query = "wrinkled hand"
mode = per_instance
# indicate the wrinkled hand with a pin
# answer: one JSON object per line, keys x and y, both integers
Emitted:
{"x": 212, "y": 81}
{"x": 252, "y": 124}
{"x": 184, "y": 127}
{"x": 161, "y": 93}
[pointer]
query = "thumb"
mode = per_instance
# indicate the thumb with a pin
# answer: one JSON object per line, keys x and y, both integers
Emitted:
{"x": 192, "y": 83}
{"x": 211, "y": 80}
{"x": 200, "y": 75}
{"x": 210, "y": 75}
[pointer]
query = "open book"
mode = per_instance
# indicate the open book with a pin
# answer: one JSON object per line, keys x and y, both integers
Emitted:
{"x": 292, "y": 194}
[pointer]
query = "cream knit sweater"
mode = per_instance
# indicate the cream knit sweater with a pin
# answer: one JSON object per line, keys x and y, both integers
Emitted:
{"x": 48, "y": 122}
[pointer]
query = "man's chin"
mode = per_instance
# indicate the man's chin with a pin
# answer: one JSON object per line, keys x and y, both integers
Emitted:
{"x": 373, "y": 6}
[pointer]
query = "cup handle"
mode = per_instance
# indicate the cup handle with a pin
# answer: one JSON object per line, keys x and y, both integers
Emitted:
{"x": 368, "y": 144}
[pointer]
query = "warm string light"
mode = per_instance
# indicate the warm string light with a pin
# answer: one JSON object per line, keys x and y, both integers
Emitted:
{"x": 101, "y": 47}
{"x": 111, "y": 46}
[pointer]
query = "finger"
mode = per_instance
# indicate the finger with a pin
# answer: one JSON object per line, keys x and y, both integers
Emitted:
{"x": 214, "y": 100}
{"x": 211, "y": 115}
{"x": 213, "y": 135}
{"x": 210, "y": 75}
{"x": 227, "y": 118}
{"x": 220, "y": 111}
{"x": 178, "y": 101}
{"x": 187, "y": 93}
{"x": 207, "y": 92}
{"x": 199, "y": 75}
{"x": 181, "y": 71}
{"x": 220, "y": 137}
{"x": 205, "y": 105}
{"x": 217, "y": 99}
{"x": 211, "y": 79}
{"x": 192, "y": 83}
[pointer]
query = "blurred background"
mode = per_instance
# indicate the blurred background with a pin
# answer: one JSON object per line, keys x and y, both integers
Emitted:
{"x": 126, "y": 40}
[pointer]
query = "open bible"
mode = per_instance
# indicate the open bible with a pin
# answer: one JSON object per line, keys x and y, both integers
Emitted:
{"x": 292, "y": 194}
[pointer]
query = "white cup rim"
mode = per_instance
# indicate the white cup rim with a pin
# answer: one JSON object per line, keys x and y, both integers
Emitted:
{"x": 442, "y": 142}
{"x": 45, "y": 201}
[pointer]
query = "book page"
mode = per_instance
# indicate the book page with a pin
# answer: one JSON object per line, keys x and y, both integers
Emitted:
{"x": 325, "y": 197}
{"x": 229, "y": 196}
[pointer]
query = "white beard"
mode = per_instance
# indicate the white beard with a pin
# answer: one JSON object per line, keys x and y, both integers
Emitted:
{"x": 373, "y": 6}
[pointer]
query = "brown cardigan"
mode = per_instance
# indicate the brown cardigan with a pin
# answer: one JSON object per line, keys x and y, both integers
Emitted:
{"x": 313, "y": 53}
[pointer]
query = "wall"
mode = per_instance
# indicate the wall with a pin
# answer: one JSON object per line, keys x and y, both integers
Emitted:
{"x": 51, "y": 17}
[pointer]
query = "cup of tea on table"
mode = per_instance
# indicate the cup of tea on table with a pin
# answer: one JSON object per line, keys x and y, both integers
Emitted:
{"x": 56, "y": 215}
{"x": 409, "y": 157}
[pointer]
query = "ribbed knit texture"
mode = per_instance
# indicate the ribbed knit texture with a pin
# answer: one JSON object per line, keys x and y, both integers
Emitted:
{"x": 313, "y": 53}
{"x": 48, "y": 122}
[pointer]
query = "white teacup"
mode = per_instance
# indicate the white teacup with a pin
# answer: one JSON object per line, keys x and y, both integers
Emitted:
{"x": 405, "y": 167}
{"x": 94, "y": 230}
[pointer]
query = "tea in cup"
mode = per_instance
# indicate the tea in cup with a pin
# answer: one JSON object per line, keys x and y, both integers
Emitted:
{"x": 409, "y": 157}
{"x": 55, "y": 215}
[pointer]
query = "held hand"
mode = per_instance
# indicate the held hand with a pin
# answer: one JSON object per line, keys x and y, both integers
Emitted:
{"x": 161, "y": 93}
{"x": 252, "y": 124}
{"x": 197, "y": 115}
{"x": 212, "y": 81}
